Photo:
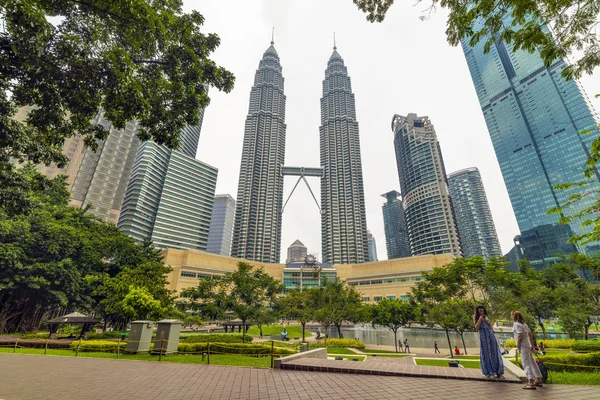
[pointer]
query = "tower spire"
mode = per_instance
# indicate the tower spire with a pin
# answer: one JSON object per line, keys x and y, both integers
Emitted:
{"x": 334, "y": 46}
{"x": 273, "y": 36}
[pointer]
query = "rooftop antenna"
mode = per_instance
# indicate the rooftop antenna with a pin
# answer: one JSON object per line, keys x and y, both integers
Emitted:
{"x": 334, "y": 46}
{"x": 273, "y": 36}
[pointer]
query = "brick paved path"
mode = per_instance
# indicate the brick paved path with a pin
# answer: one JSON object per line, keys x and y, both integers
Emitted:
{"x": 25, "y": 377}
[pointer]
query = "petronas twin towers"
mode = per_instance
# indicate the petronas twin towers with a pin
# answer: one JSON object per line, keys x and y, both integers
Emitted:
{"x": 257, "y": 229}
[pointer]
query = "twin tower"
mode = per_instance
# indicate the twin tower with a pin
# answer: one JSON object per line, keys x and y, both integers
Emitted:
{"x": 258, "y": 217}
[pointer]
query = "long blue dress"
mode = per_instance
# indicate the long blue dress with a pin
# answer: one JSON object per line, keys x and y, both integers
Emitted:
{"x": 490, "y": 357}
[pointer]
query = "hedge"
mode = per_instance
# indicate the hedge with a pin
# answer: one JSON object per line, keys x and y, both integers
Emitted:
{"x": 233, "y": 348}
{"x": 573, "y": 362}
{"x": 586, "y": 345}
{"x": 549, "y": 344}
{"x": 98, "y": 345}
{"x": 217, "y": 338}
{"x": 36, "y": 344}
{"x": 339, "y": 343}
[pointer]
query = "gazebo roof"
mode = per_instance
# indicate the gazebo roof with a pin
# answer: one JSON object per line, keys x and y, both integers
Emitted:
{"x": 235, "y": 322}
{"x": 73, "y": 318}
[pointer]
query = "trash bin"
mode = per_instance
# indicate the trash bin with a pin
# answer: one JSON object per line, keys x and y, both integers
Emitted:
{"x": 167, "y": 336}
{"x": 453, "y": 364}
{"x": 139, "y": 337}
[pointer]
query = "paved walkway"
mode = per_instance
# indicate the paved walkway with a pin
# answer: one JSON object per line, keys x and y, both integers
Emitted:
{"x": 390, "y": 366}
{"x": 31, "y": 377}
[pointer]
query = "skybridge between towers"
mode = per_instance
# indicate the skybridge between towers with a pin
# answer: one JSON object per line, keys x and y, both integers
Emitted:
{"x": 302, "y": 173}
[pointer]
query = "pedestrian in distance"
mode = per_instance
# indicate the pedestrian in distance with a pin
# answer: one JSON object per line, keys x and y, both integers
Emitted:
{"x": 400, "y": 346}
{"x": 435, "y": 346}
{"x": 489, "y": 352}
{"x": 524, "y": 340}
{"x": 406, "y": 346}
{"x": 456, "y": 351}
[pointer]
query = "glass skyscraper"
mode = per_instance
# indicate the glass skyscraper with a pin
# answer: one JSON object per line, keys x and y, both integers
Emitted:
{"x": 534, "y": 117}
{"x": 474, "y": 221}
{"x": 372, "y": 247}
{"x": 424, "y": 188}
{"x": 396, "y": 231}
{"x": 221, "y": 225}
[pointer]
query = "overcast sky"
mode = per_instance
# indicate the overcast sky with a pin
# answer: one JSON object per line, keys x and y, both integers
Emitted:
{"x": 399, "y": 66}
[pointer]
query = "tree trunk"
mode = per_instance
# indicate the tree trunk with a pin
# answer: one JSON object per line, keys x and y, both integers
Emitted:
{"x": 541, "y": 324}
{"x": 396, "y": 338}
{"x": 303, "y": 327}
{"x": 244, "y": 331}
{"x": 462, "y": 337}
{"x": 260, "y": 331}
{"x": 339, "y": 329}
{"x": 449, "y": 344}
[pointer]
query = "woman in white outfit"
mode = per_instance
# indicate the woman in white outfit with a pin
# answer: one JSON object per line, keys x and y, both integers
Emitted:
{"x": 524, "y": 340}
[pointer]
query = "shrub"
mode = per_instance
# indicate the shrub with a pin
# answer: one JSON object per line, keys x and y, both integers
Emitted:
{"x": 104, "y": 335}
{"x": 98, "y": 345}
{"x": 36, "y": 344}
{"x": 217, "y": 338}
{"x": 586, "y": 345}
{"x": 549, "y": 344}
{"x": 339, "y": 343}
{"x": 573, "y": 362}
{"x": 233, "y": 348}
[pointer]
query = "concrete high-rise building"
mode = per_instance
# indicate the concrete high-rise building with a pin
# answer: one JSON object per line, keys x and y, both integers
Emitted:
{"x": 296, "y": 252}
{"x": 343, "y": 222}
{"x": 372, "y": 247}
{"x": 257, "y": 228}
{"x": 221, "y": 225}
{"x": 170, "y": 195}
{"x": 423, "y": 184}
{"x": 474, "y": 221}
{"x": 101, "y": 178}
{"x": 534, "y": 117}
{"x": 396, "y": 231}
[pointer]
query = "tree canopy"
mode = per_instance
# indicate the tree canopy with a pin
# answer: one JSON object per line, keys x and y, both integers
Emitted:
{"x": 143, "y": 60}
{"x": 563, "y": 29}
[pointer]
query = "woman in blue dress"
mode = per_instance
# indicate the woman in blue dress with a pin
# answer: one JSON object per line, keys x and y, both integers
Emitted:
{"x": 489, "y": 354}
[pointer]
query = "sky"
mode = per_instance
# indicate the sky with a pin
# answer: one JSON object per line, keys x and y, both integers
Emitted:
{"x": 399, "y": 66}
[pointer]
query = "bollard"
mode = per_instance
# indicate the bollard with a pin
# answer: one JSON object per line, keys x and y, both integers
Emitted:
{"x": 208, "y": 355}
{"x": 272, "y": 353}
{"x": 118, "y": 348}
{"x": 16, "y": 343}
{"x": 46, "y": 347}
{"x": 78, "y": 346}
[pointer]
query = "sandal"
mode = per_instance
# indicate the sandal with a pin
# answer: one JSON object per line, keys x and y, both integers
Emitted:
{"x": 529, "y": 387}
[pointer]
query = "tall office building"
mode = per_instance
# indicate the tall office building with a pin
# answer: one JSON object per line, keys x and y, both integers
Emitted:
{"x": 102, "y": 176}
{"x": 221, "y": 225}
{"x": 473, "y": 216}
{"x": 396, "y": 231}
{"x": 170, "y": 195}
{"x": 534, "y": 117}
{"x": 372, "y": 247}
{"x": 344, "y": 221}
{"x": 296, "y": 252}
{"x": 257, "y": 228}
{"x": 424, "y": 188}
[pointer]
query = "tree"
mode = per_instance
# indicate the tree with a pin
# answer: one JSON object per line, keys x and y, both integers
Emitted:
{"x": 449, "y": 315}
{"x": 557, "y": 30}
{"x": 263, "y": 316}
{"x": 141, "y": 60}
{"x": 247, "y": 291}
{"x": 395, "y": 314}
{"x": 335, "y": 302}
{"x": 206, "y": 299}
{"x": 298, "y": 305}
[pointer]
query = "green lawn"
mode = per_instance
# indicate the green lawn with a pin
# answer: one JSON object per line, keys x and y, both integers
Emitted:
{"x": 360, "y": 358}
{"x": 217, "y": 359}
{"x": 339, "y": 350}
{"x": 574, "y": 378}
{"x": 444, "y": 363}
{"x": 268, "y": 330}
{"x": 467, "y": 357}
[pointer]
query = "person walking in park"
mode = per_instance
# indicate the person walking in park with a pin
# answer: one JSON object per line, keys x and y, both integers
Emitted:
{"x": 406, "y": 346}
{"x": 489, "y": 352}
{"x": 524, "y": 340}
{"x": 435, "y": 346}
{"x": 400, "y": 346}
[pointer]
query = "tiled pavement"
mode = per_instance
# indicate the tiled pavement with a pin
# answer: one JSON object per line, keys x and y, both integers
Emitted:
{"x": 25, "y": 377}
{"x": 389, "y": 366}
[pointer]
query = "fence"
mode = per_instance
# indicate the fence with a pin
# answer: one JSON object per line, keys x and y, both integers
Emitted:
{"x": 63, "y": 347}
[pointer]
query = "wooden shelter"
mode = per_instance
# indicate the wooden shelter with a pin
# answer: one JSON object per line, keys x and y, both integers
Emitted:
{"x": 235, "y": 323}
{"x": 73, "y": 318}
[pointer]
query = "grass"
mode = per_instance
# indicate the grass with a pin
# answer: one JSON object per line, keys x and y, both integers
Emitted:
{"x": 360, "y": 358}
{"x": 217, "y": 359}
{"x": 339, "y": 350}
{"x": 444, "y": 363}
{"x": 574, "y": 378}
{"x": 466, "y": 357}
{"x": 268, "y": 330}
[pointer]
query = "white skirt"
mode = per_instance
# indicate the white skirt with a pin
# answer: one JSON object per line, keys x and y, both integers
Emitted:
{"x": 532, "y": 371}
